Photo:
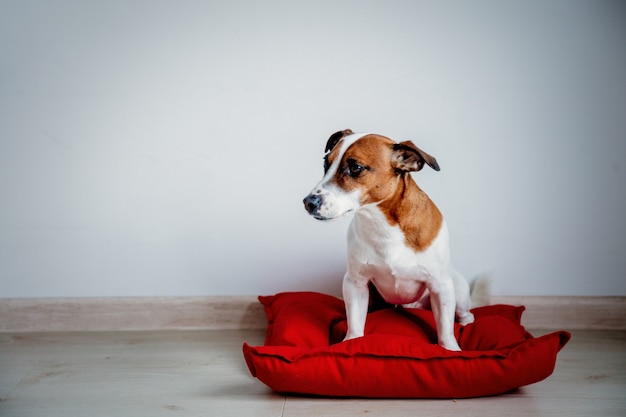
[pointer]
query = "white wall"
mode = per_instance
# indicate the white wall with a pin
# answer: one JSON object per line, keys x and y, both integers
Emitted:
{"x": 164, "y": 147}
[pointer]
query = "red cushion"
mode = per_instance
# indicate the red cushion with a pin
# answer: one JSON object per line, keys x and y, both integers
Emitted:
{"x": 398, "y": 357}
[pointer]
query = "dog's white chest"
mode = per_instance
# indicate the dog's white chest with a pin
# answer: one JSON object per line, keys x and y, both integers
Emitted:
{"x": 377, "y": 252}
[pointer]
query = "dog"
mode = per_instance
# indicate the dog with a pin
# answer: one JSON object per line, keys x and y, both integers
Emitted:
{"x": 397, "y": 239}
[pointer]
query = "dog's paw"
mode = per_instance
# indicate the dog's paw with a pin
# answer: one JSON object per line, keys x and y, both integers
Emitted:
{"x": 351, "y": 336}
{"x": 450, "y": 345}
{"x": 465, "y": 319}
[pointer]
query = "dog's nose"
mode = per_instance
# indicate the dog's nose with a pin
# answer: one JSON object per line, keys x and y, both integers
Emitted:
{"x": 312, "y": 202}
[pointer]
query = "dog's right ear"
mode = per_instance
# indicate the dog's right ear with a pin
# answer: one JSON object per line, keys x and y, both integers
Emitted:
{"x": 336, "y": 137}
{"x": 407, "y": 157}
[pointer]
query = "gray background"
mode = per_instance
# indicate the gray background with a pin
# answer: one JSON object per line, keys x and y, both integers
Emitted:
{"x": 164, "y": 147}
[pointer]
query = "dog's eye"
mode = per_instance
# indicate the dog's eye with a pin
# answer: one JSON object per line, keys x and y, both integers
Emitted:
{"x": 354, "y": 169}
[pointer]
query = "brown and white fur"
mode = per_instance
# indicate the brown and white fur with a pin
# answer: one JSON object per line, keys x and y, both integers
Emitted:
{"x": 398, "y": 239}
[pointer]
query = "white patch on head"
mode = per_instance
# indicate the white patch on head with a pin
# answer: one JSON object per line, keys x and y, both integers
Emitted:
{"x": 337, "y": 201}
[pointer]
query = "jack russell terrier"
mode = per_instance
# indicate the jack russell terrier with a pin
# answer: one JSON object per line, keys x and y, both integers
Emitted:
{"x": 398, "y": 239}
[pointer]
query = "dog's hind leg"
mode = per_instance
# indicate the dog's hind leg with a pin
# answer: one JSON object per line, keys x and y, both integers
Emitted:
{"x": 480, "y": 290}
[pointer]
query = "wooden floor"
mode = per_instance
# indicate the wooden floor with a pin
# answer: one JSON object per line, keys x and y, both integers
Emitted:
{"x": 203, "y": 373}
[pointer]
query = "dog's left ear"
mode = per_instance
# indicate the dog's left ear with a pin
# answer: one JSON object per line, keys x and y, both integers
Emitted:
{"x": 407, "y": 157}
{"x": 335, "y": 138}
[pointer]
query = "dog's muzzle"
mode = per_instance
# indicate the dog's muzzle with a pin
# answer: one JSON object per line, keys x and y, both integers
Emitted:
{"x": 326, "y": 205}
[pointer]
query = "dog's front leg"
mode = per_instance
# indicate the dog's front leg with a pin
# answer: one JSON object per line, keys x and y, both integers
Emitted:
{"x": 442, "y": 300}
{"x": 462, "y": 298}
{"x": 356, "y": 297}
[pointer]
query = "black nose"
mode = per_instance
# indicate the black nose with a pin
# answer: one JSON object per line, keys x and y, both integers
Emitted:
{"x": 312, "y": 202}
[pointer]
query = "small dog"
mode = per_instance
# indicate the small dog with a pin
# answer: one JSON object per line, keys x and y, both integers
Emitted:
{"x": 398, "y": 239}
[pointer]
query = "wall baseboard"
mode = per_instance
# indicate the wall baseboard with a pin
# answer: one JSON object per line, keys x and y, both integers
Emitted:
{"x": 570, "y": 313}
{"x": 130, "y": 313}
{"x": 245, "y": 312}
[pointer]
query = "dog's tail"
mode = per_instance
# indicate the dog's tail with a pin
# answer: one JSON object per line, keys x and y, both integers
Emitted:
{"x": 480, "y": 290}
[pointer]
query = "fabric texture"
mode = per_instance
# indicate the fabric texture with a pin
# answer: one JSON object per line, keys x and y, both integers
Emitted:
{"x": 398, "y": 357}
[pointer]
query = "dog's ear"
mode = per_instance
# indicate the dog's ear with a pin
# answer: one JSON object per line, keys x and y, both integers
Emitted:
{"x": 336, "y": 137}
{"x": 407, "y": 157}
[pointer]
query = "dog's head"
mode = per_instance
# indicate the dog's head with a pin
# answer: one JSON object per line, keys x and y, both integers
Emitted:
{"x": 361, "y": 169}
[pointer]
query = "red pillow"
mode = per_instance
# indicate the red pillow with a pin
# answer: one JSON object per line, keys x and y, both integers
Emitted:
{"x": 398, "y": 357}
